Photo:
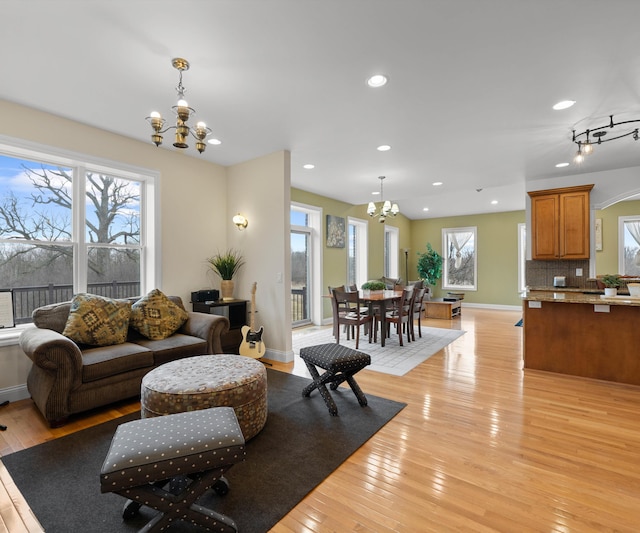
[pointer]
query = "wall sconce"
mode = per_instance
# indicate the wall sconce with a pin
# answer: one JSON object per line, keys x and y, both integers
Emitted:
{"x": 240, "y": 221}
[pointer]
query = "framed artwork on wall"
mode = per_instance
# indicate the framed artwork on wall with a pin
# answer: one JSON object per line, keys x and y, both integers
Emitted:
{"x": 335, "y": 232}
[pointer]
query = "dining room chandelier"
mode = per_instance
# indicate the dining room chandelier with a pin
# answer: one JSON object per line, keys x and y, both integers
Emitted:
{"x": 183, "y": 113}
{"x": 586, "y": 139}
{"x": 386, "y": 209}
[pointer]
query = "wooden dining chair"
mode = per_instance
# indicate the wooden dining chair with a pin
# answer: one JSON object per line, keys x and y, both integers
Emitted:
{"x": 353, "y": 319}
{"x": 401, "y": 315}
{"x": 418, "y": 308}
{"x": 338, "y": 308}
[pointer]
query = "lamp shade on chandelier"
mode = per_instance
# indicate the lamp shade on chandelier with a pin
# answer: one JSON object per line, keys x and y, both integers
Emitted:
{"x": 183, "y": 113}
{"x": 386, "y": 209}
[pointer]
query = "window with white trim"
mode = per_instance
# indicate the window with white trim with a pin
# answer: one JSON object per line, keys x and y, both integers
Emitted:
{"x": 357, "y": 252}
{"x": 391, "y": 251}
{"x": 70, "y": 224}
{"x": 459, "y": 269}
{"x": 629, "y": 245}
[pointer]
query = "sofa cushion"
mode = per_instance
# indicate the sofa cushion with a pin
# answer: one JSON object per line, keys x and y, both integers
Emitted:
{"x": 52, "y": 316}
{"x": 156, "y": 317}
{"x": 97, "y": 321}
{"x": 175, "y": 347}
{"x": 102, "y": 362}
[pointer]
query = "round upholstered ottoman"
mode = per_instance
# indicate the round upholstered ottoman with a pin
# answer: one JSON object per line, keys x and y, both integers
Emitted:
{"x": 209, "y": 381}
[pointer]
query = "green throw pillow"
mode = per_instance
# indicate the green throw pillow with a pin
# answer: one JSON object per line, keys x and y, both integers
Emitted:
{"x": 156, "y": 317}
{"x": 97, "y": 321}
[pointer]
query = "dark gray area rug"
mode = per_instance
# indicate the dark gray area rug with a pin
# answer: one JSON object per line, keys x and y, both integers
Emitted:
{"x": 300, "y": 445}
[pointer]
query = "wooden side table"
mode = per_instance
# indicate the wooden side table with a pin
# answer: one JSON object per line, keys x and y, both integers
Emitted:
{"x": 438, "y": 308}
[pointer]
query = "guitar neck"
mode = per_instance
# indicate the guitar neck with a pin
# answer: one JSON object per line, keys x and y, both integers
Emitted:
{"x": 253, "y": 310}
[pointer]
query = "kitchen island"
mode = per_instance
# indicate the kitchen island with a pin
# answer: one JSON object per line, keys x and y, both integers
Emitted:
{"x": 581, "y": 334}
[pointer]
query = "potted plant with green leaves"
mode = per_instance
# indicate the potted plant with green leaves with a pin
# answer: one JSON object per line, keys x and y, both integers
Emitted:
{"x": 373, "y": 285}
{"x": 430, "y": 266}
{"x": 226, "y": 265}
{"x": 611, "y": 284}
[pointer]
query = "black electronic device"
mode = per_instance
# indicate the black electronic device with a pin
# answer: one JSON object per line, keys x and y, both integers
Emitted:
{"x": 206, "y": 295}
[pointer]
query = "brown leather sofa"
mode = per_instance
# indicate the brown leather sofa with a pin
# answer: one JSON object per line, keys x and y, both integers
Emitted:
{"x": 67, "y": 378}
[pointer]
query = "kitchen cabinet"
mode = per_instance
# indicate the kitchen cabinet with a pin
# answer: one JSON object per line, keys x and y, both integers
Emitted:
{"x": 560, "y": 223}
{"x": 582, "y": 335}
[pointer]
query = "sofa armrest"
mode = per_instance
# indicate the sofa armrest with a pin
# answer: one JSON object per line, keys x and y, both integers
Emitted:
{"x": 56, "y": 371}
{"x": 207, "y": 327}
{"x": 51, "y": 350}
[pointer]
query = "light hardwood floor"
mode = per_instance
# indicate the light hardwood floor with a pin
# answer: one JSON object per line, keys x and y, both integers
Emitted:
{"x": 482, "y": 446}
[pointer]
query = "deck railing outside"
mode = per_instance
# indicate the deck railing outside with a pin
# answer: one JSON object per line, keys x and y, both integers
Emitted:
{"x": 299, "y": 305}
{"x": 26, "y": 299}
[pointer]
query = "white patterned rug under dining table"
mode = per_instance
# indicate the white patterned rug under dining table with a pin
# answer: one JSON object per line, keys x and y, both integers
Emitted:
{"x": 393, "y": 358}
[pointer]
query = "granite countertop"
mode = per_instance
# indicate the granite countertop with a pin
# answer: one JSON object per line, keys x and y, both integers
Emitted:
{"x": 576, "y": 296}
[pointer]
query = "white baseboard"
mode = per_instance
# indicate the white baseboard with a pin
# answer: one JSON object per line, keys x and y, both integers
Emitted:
{"x": 493, "y": 306}
{"x": 13, "y": 394}
{"x": 279, "y": 356}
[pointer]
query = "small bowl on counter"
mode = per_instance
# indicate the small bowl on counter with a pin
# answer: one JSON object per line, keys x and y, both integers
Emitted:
{"x": 634, "y": 289}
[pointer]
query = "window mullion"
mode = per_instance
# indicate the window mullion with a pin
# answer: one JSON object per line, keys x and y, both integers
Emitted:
{"x": 78, "y": 211}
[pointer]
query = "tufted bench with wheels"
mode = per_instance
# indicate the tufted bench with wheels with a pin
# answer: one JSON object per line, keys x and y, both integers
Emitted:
{"x": 168, "y": 462}
{"x": 340, "y": 363}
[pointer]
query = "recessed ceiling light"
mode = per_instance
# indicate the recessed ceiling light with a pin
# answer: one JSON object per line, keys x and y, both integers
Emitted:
{"x": 561, "y": 165}
{"x": 494, "y": 202}
{"x": 383, "y": 148}
{"x": 425, "y": 209}
{"x": 375, "y": 192}
{"x": 436, "y": 183}
{"x": 214, "y": 141}
{"x": 564, "y": 104}
{"x": 377, "y": 80}
{"x": 308, "y": 166}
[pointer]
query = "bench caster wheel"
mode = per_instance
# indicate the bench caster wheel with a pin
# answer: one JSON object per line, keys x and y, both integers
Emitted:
{"x": 221, "y": 486}
{"x": 130, "y": 509}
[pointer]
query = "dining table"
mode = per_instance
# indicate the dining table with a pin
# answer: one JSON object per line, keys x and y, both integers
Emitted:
{"x": 383, "y": 300}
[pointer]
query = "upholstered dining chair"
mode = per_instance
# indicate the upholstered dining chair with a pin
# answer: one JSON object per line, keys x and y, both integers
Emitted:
{"x": 354, "y": 318}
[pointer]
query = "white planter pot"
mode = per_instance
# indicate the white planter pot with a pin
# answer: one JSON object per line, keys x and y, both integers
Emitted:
{"x": 610, "y": 291}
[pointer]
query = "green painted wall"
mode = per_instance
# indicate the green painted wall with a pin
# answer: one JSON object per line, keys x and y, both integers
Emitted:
{"x": 497, "y": 245}
{"x": 607, "y": 259}
{"x": 497, "y": 248}
{"x": 335, "y": 259}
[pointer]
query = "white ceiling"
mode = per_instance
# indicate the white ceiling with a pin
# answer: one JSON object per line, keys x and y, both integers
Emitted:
{"x": 468, "y": 103}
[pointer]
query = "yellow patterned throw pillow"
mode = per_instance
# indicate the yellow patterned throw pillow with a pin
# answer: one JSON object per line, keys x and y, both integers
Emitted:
{"x": 97, "y": 321}
{"x": 156, "y": 317}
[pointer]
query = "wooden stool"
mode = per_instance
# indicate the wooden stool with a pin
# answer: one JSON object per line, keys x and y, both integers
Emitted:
{"x": 187, "y": 453}
{"x": 340, "y": 363}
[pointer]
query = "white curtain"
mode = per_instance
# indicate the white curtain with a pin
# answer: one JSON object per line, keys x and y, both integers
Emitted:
{"x": 459, "y": 239}
{"x": 634, "y": 229}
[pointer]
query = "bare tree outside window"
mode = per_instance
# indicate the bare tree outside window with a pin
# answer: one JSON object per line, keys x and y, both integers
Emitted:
{"x": 38, "y": 247}
{"x": 459, "y": 253}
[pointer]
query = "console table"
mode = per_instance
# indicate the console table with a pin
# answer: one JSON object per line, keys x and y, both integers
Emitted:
{"x": 235, "y": 311}
{"x": 439, "y": 308}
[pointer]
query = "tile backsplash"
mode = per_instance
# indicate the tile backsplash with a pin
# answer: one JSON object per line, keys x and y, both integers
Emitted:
{"x": 541, "y": 273}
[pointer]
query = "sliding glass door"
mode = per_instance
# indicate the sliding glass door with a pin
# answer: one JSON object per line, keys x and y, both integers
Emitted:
{"x": 300, "y": 277}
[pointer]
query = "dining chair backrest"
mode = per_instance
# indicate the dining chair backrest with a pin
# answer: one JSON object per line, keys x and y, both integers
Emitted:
{"x": 350, "y": 298}
{"x": 418, "y": 300}
{"x": 407, "y": 294}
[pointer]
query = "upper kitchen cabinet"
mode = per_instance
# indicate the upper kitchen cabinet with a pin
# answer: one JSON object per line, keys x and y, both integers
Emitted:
{"x": 560, "y": 223}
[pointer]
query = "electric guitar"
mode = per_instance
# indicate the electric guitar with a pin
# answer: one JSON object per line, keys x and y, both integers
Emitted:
{"x": 252, "y": 345}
